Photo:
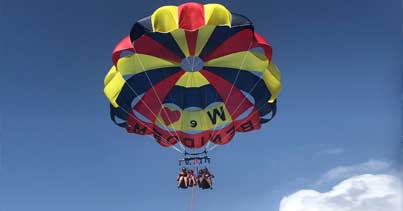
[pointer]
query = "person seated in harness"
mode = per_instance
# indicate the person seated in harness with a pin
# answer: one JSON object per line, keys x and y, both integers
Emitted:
{"x": 200, "y": 178}
{"x": 182, "y": 178}
{"x": 191, "y": 178}
{"x": 208, "y": 177}
{"x": 204, "y": 179}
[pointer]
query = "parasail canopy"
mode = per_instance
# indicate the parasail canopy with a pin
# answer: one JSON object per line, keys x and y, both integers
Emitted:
{"x": 196, "y": 73}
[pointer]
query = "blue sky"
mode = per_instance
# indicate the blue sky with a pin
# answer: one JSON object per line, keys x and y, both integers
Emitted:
{"x": 340, "y": 105}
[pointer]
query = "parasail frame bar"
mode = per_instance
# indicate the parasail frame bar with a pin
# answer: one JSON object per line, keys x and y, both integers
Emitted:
{"x": 200, "y": 157}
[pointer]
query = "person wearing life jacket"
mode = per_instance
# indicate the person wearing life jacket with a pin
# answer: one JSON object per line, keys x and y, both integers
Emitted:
{"x": 200, "y": 178}
{"x": 208, "y": 176}
{"x": 182, "y": 178}
{"x": 191, "y": 178}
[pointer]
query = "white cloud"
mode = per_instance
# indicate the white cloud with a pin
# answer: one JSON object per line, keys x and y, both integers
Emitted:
{"x": 367, "y": 192}
{"x": 343, "y": 172}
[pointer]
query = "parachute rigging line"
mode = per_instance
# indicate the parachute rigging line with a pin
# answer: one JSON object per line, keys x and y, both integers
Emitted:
{"x": 131, "y": 88}
{"x": 257, "y": 110}
{"x": 230, "y": 91}
{"x": 193, "y": 189}
{"x": 155, "y": 92}
{"x": 166, "y": 142}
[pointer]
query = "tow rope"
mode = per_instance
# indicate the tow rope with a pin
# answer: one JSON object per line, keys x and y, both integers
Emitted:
{"x": 193, "y": 188}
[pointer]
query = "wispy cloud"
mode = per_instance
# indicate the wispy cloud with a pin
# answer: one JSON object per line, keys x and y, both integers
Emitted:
{"x": 333, "y": 151}
{"x": 343, "y": 172}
